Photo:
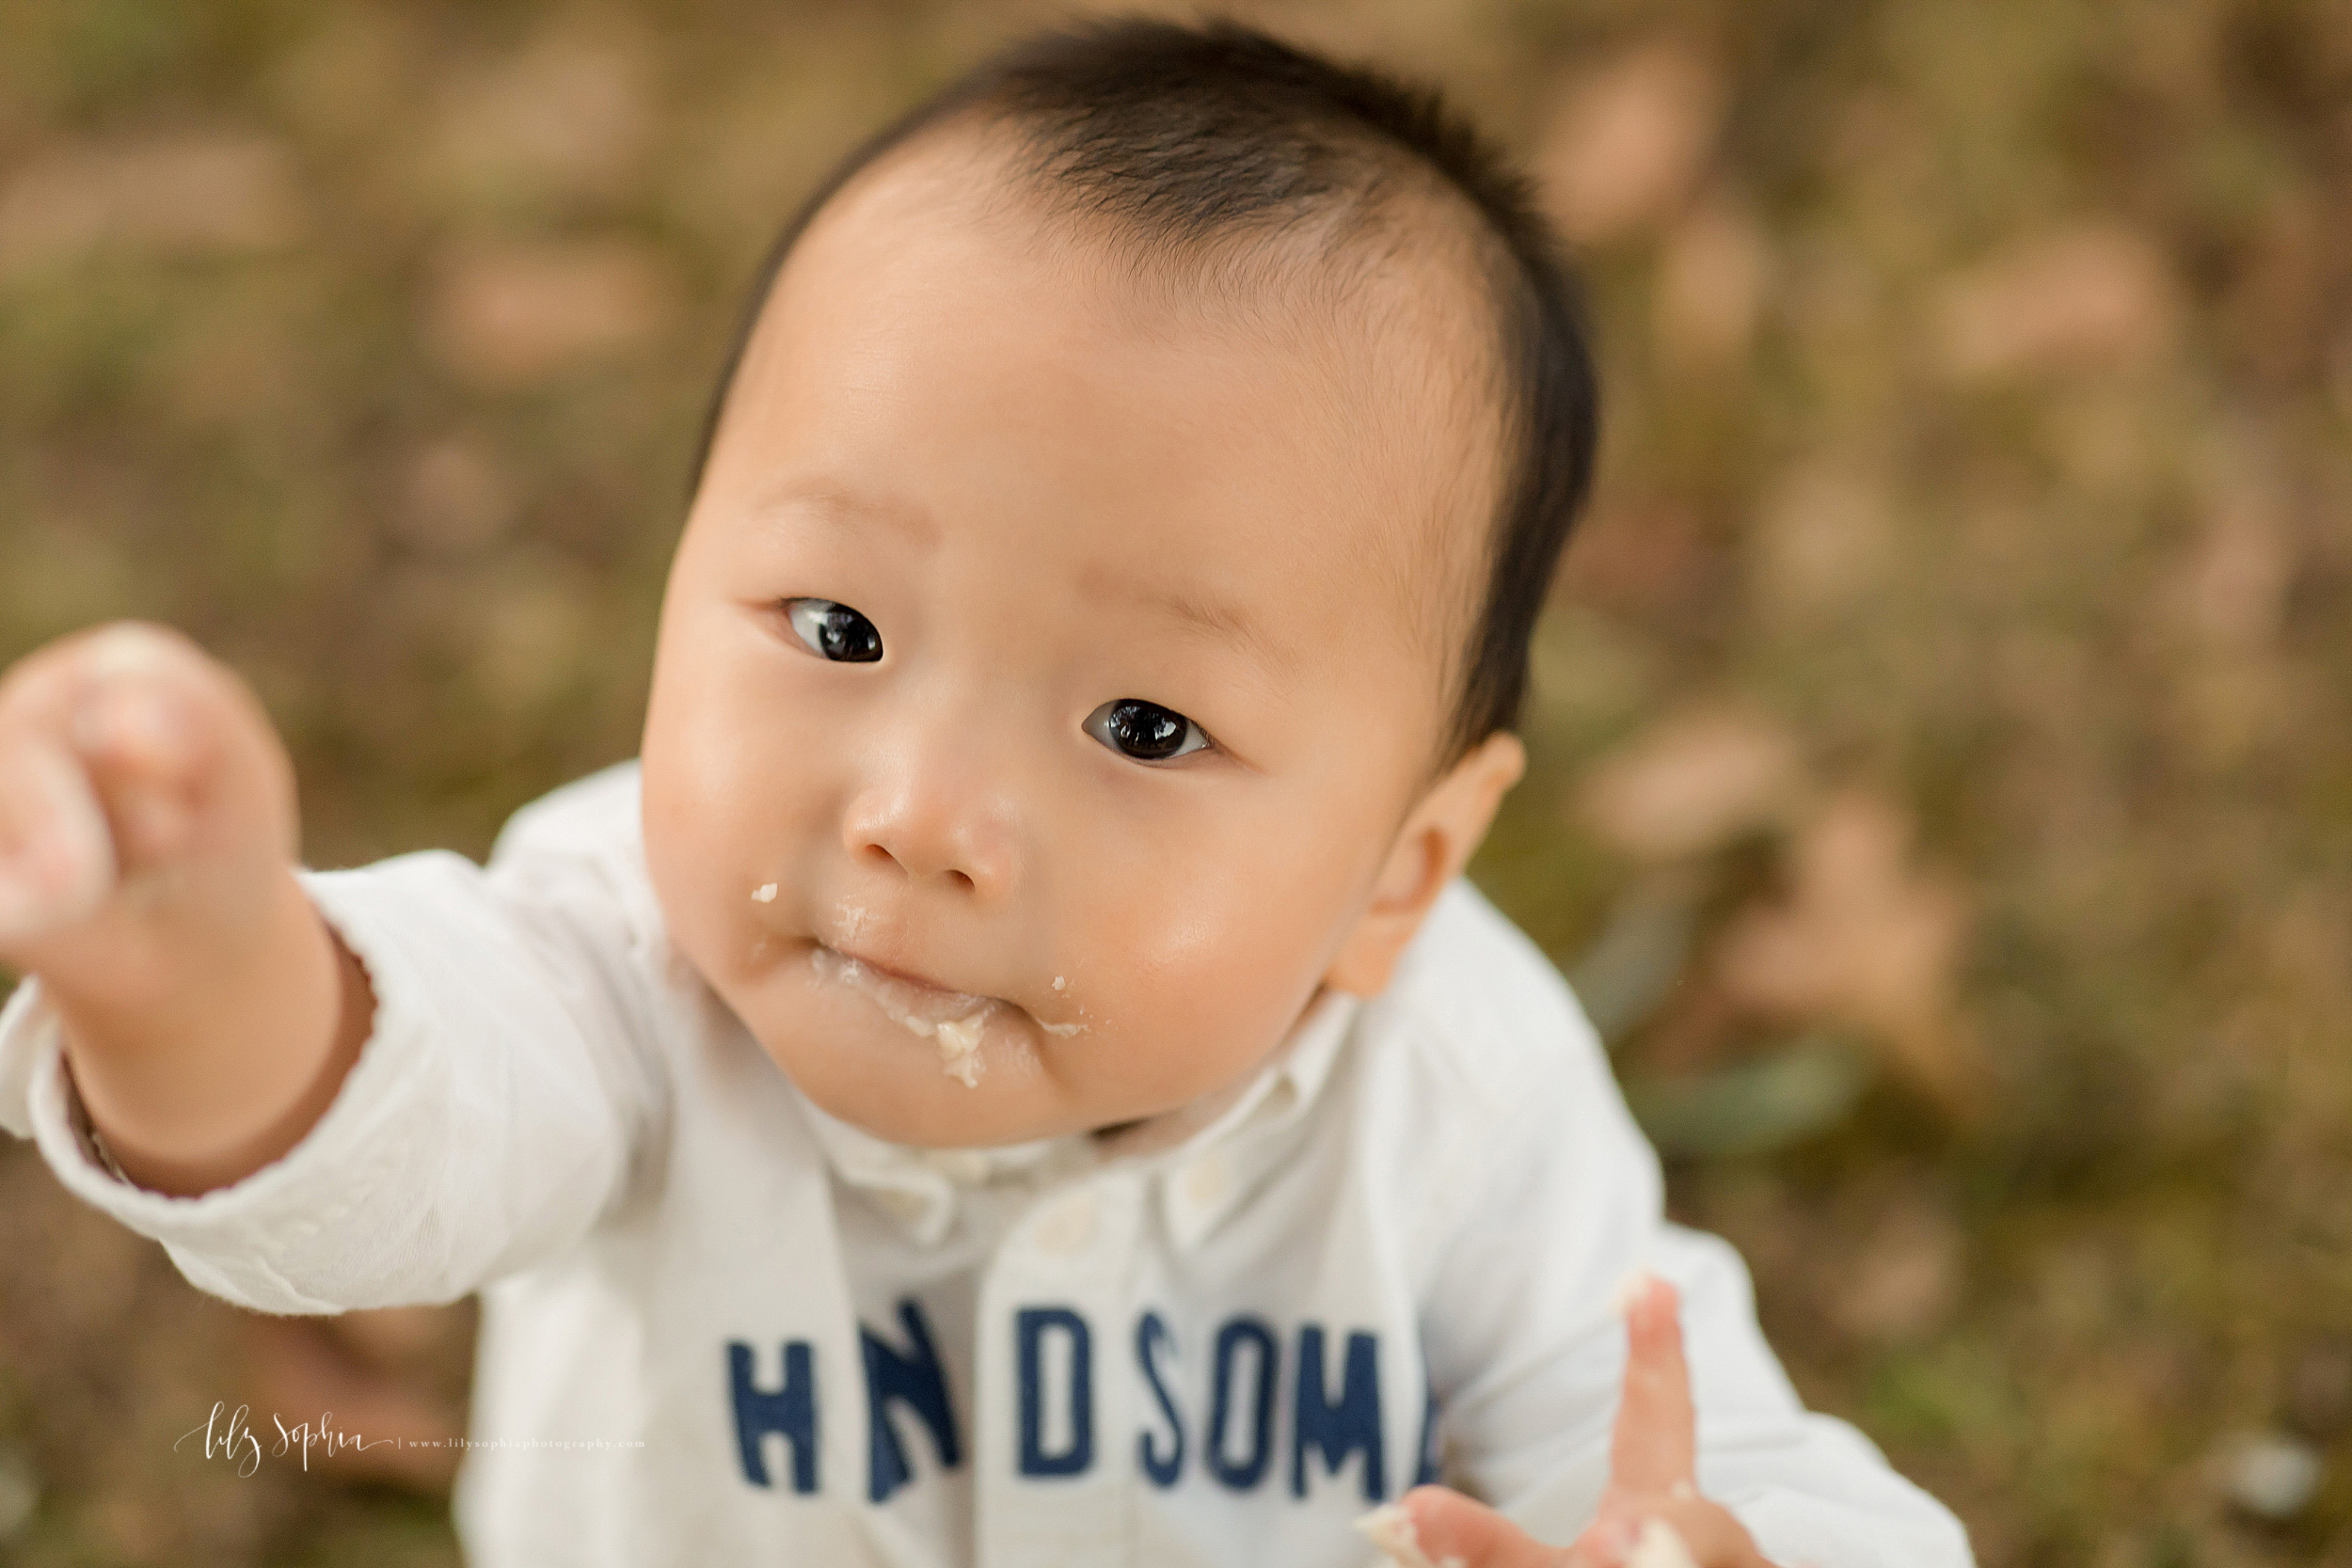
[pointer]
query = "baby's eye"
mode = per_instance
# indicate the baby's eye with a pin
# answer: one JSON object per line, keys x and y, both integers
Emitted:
{"x": 1144, "y": 731}
{"x": 834, "y": 631}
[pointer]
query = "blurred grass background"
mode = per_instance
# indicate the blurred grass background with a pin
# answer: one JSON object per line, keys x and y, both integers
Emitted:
{"x": 1941, "y": 785}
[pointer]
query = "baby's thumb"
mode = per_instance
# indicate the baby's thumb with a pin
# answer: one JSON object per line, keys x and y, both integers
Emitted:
{"x": 57, "y": 856}
{"x": 1435, "y": 1528}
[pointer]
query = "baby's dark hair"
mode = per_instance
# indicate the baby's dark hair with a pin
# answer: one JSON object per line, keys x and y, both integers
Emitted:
{"x": 1184, "y": 134}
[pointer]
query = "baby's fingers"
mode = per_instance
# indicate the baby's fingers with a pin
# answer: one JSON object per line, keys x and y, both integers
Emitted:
{"x": 1682, "y": 1530}
{"x": 56, "y": 858}
{"x": 1655, "y": 1447}
{"x": 1435, "y": 1528}
{"x": 112, "y": 745}
{"x": 136, "y": 718}
{"x": 144, "y": 712}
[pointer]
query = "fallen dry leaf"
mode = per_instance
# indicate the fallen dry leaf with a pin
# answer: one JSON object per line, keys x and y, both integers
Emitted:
{"x": 167, "y": 195}
{"x": 570, "y": 113}
{"x": 2094, "y": 294}
{"x": 1637, "y": 556}
{"x": 1825, "y": 535}
{"x": 1712, "y": 283}
{"x": 2237, "y": 581}
{"x": 2233, "y": 589}
{"x": 2225, "y": 600}
{"x": 1692, "y": 782}
{"x": 506, "y": 315}
{"x": 1863, "y": 940}
{"x": 1626, "y": 146}
{"x": 539, "y": 620}
{"x": 1903, "y": 1281}
{"x": 456, "y": 498}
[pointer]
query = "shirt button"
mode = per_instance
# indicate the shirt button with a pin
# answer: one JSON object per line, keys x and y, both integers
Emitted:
{"x": 1068, "y": 1227}
{"x": 965, "y": 1166}
{"x": 908, "y": 1207}
{"x": 1204, "y": 1182}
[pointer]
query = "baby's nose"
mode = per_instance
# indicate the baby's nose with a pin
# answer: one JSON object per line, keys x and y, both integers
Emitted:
{"x": 954, "y": 830}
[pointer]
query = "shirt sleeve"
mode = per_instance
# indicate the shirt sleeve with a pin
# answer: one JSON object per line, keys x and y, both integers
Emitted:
{"x": 1527, "y": 1354}
{"x": 491, "y": 1118}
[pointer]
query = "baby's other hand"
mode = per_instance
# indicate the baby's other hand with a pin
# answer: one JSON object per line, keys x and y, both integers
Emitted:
{"x": 146, "y": 804}
{"x": 1651, "y": 1516}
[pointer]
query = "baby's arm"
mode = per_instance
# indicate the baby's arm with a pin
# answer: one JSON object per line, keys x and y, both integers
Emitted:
{"x": 326, "y": 1089}
{"x": 148, "y": 841}
{"x": 1529, "y": 1352}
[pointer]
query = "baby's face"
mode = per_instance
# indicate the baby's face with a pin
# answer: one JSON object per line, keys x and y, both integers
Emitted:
{"x": 1045, "y": 677}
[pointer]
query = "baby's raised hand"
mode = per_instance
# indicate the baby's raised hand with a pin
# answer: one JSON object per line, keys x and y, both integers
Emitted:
{"x": 146, "y": 805}
{"x": 1651, "y": 1516}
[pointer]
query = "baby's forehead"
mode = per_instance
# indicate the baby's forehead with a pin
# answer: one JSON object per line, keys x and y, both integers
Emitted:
{"x": 1383, "y": 320}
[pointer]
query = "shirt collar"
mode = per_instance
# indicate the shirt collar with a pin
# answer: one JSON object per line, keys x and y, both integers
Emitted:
{"x": 919, "y": 1188}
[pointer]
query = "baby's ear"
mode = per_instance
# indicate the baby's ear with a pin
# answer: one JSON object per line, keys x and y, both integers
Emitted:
{"x": 1437, "y": 840}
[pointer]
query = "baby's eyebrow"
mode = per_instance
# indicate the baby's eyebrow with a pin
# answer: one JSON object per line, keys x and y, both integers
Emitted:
{"x": 838, "y": 504}
{"x": 1212, "y": 618}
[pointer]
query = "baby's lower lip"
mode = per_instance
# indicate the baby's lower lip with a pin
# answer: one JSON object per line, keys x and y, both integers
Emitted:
{"x": 953, "y": 1019}
{"x": 908, "y": 977}
{"x": 920, "y": 1003}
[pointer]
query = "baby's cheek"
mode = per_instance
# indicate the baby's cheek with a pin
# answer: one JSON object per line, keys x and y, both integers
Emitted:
{"x": 699, "y": 878}
{"x": 1196, "y": 1002}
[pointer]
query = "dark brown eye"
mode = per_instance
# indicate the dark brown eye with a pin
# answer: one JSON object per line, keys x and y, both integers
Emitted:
{"x": 834, "y": 631}
{"x": 1145, "y": 731}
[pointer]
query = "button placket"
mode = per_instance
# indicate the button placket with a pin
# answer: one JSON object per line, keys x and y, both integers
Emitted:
{"x": 1194, "y": 1195}
{"x": 1069, "y": 1254}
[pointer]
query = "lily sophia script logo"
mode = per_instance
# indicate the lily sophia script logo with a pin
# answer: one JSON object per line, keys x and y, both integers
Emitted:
{"x": 230, "y": 1438}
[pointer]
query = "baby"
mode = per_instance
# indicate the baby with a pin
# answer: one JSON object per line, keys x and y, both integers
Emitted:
{"x": 1012, "y": 1072}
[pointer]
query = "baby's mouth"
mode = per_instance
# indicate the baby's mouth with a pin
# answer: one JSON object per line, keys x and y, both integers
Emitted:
{"x": 952, "y": 1018}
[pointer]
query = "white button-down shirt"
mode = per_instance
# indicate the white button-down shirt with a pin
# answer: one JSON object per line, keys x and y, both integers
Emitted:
{"x": 720, "y": 1326}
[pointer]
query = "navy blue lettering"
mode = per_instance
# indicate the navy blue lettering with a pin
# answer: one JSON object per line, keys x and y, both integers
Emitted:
{"x": 1150, "y": 1330}
{"x": 916, "y": 1381}
{"x": 1339, "y": 1430}
{"x": 1426, "y": 1473}
{"x": 1241, "y": 1474}
{"x": 790, "y": 1410}
{"x": 1029, "y": 1328}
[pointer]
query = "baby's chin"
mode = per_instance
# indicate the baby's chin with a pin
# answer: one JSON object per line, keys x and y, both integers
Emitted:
{"x": 859, "y": 1066}
{"x": 889, "y": 1088}
{"x": 945, "y": 1071}
{"x": 926, "y": 1108}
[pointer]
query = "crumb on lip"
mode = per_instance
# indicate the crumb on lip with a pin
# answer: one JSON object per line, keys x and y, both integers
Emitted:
{"x": 931, "y": 1016}
{"x": 959, "y": 1047}
{"x": 952, "y": 1019}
